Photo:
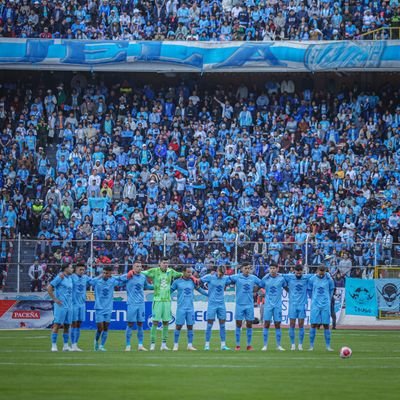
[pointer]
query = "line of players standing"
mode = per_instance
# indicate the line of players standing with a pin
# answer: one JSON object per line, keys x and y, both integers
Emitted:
{"x": 68, "y": 291}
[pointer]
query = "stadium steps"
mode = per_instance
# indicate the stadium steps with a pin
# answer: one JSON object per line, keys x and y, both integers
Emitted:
{"x": 27, "y": 258}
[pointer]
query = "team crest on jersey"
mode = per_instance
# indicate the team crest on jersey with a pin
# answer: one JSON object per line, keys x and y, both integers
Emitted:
{"x": 138, "y": 287}
{"x": 246, "y": 287}
{"x": 164, "y": 283}
{"x": 219, "y": 289}
{"x": 299, "y": 288}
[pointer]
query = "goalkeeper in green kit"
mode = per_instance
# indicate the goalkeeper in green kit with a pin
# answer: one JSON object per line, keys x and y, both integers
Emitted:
{"x": 162, "y": 278}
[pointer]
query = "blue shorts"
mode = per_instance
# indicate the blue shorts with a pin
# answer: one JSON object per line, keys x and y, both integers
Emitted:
{"x": 218, "y": 311}
{"x": 244, "y": 313}
{"x": 297, "y": 312}
{"x": 79, "y": 313}
{"x": 183, "y": 316}
{"x": 103, "y": 316}
{"x": 273, "y": 313}
{"x": 320, "y": 315}
{"x": 62, "y": 315}
{"x": 135, "y": 313}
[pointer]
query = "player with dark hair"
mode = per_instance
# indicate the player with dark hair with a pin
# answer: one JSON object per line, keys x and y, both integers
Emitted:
{"x": 320, "y": 288}
{"x": 162, "y": 278}
{"x": 104, "y": 295}
{"x": 136, "y": 283}
{"x": 185, "y": 307}
{"x": 273, "y": 284}
{"x": 297, "y": 285}
{"x": 216, "y": 284}
{"x": 80, "y": 281}
{"x": 244, "y": 310}
{"x": 60, "y": 291}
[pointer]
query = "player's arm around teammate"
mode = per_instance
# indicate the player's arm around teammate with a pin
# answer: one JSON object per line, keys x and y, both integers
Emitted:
{"x": 60, "y": 291}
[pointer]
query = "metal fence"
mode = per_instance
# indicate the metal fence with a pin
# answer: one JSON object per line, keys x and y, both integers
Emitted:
{"x": 17, "y": 256}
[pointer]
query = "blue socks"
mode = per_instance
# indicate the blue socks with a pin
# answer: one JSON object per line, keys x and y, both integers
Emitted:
{"x": 208, "y": 332}
{"x": 291, "y": 335}
{"x": 249, "y": 336}
{"x": 140, "y": 334}
{"x": 104, "y": 337}
{"x": 54, "y": 338}
{"x": 65, "y": 337}
{"x": 176, "y": 336}
{"x": 313, "y": 332}
{"x": 301, "y": 335}
{"x": 190, "y": 336}
{"x": 128, "y": 335}
{"x": 73, "y": 335}
{"x": 222, "y": 332}
{"x": 327, "y": 334}
{"x": 265, "y": 335}
{"x": 77, "y": 334}
{"x": 98, "y": 333}
{"x": 237, "y": 335}
{"x": 278, "y": 335}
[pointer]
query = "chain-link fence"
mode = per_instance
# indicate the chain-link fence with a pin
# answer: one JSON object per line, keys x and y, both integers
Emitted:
{"x": 28, "y": 264}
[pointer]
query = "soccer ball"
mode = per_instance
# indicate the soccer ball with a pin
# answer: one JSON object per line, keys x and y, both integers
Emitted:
{"x": 345, "y": 352}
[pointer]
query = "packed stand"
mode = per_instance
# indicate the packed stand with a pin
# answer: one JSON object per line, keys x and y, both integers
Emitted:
{"x": 255, "y": 174}
{"x": 264, "y": 20}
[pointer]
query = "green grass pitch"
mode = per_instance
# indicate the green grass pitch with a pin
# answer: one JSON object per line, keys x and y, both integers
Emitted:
{"x": 29, "y": 371}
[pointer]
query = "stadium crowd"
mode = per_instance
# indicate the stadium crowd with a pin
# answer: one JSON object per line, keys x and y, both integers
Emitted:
{"x": 207, "y": 20}
{"x": 260, "y": 174}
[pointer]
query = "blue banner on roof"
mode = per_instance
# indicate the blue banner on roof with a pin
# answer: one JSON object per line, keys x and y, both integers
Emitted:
{"x": 152, "y": 56}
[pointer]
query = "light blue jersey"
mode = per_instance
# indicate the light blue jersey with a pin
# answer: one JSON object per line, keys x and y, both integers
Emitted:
{"x": 104, "y": 297}
{"x": 63, "y": 292}
{"x": 273, "y": 297}
{"x": 273, "y": 290}
{"x": 185, "y": 288}
{"x": 216, "y": 298}
{"x": 63, "y": 289}
{"x": 297, "y": 295}
{"x": 135, "y": 288}
{"x": 80, "y": 284}
{"x": 321, "y": 291}
{"x": 297, "y": 289}
{"x": 216, "y": 287}
{"x": 244, "y": 309}
{"x": 185, "y": 304}
{"x": 245, "y": 288}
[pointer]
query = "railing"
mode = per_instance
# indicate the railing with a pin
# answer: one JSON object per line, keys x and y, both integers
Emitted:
{"x": 18, "y": 255}
{"x": 382, "y": 33}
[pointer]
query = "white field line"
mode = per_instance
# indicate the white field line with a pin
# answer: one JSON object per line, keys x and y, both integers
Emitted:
{"x": 25, "y": 338}
{"x": 180, "y": 366}
{"x": 266, "y": 356}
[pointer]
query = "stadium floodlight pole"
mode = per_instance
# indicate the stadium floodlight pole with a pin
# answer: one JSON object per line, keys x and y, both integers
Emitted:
{"x": 306, "y": 253}
{"x": 91, "y": 255}
{"x": 18, "y": 262}
{"x": 236, "y": 250}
